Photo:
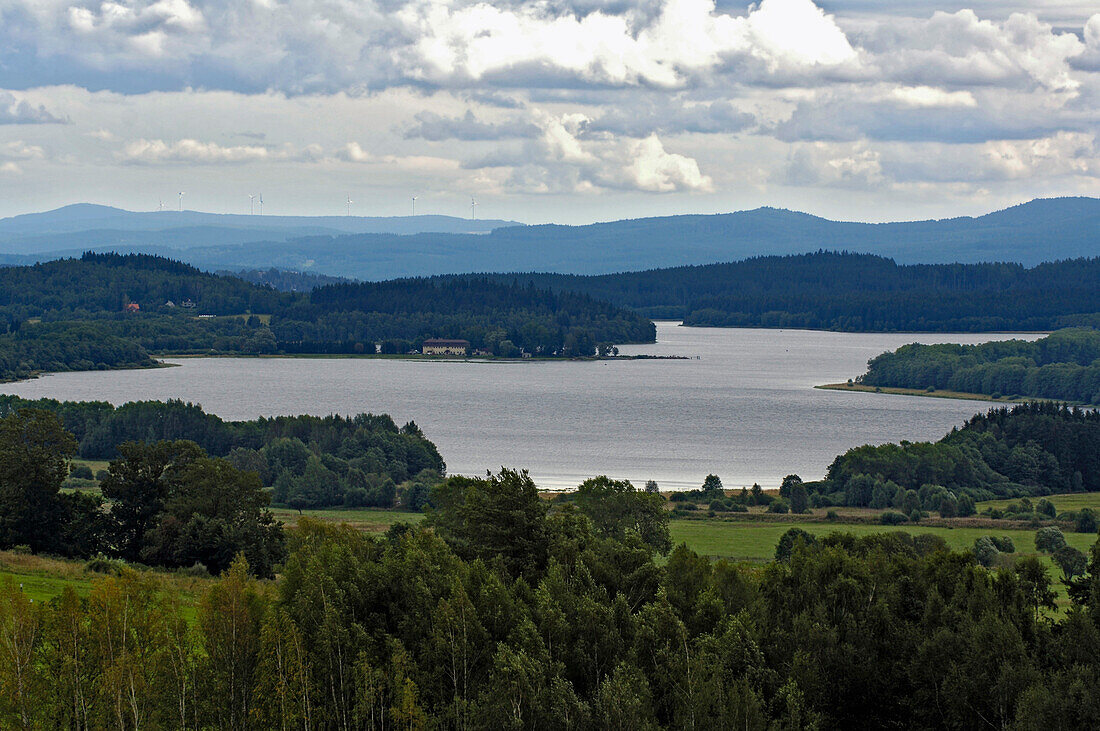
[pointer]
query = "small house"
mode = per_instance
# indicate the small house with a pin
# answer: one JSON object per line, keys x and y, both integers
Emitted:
{"x": 439, "y": 346}
{"x": 132, "y": 307}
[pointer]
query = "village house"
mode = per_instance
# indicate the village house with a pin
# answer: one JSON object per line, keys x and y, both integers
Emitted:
{"x": 439, "y": 346}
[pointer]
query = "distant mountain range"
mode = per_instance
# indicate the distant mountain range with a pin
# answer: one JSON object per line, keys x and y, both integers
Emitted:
{"x": 94, "y": 226}
{"x": 383, "y": 248}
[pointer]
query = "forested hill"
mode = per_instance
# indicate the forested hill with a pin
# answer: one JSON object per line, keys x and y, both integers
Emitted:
{"x": 106, "y": 283}
{"x": 502, "y": 318}
{"x": 1030, "y": 233}
{"x": 853, "y": 292}
{"x": 1063, "y": 366}
{"x": 113, "y": 311}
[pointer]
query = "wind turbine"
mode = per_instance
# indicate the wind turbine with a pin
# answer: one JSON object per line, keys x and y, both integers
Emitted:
{"x": 472, "y": 204}
{"x": 160, "y": 206}
{"x": 251, "y": 204}
{"x": 414, "y": 205}
{"x": 261, "y": 204}
{"x": 181, "y": 201}
{"x": 349, "y": 204}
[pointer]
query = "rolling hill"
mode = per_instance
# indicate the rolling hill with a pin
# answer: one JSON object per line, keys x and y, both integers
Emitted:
{"x": 1030, "y": 233}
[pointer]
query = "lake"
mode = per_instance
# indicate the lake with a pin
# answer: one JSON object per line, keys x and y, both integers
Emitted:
{"x": 743, "y": 407}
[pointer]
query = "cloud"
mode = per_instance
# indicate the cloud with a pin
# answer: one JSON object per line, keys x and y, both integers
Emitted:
{"x": 434, "y": 127}
{"x": 149, "y": 152}
{"x": 961, "y": 49}
{"x": 659, "y": 171}
{"x": 844, "y": 166}
{"x": 10, "y": 168}
{"x": 300, "y": 46}
{"x": 928, "y": 96}
{"x": 569, "y": 157}
{"x": 685, "y": 37}
{"x": 14, "y": 110}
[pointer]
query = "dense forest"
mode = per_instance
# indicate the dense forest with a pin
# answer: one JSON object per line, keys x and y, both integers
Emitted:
{"x": 506, "y": 614}
{"x": 1030, "y": 450}
{"x": 114, "y": 311}
{"x": 310, "y": 461}
{"x": 1064, "y": 366}
{"x": 851, "y": 292}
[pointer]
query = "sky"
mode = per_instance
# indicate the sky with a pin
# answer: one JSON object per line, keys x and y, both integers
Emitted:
{"x": 566, "y": 111}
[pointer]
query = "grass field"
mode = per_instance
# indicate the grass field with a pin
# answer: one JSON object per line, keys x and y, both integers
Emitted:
{"x": 372, "y": 520}
{"x": 42, "y": 578}
{"x": 1071, "y": 501}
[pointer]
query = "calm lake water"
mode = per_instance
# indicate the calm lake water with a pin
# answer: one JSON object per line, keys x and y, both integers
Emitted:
{"x": 745, "y": 409}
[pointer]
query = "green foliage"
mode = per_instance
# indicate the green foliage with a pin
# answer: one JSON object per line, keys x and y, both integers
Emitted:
{"x": 712, "y": 485}
{"x": 1085, "y": 522}
{"x": 34, "y": 461}
{"x": 891, "y": 517}
{"x": 311, "y": 460}
{"x": 616, "y": 508}
{"x": 85, "y": 324}
{"x": 1030, "y": 449}
{"x": 1049, "y": 539}
{"x": 985, "y": 551}
{"x": 788, "y": 541}
{"x": 498, "y": 517}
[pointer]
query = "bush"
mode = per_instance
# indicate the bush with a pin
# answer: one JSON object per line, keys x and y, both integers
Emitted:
{"x": 1049, "y": 539}
{"x": 1003, "y": 544}
{"x": 891, "y": 517}
{"x": 832, "y": 515}
{"x": 915, "y": 516}
{"x": 100, "y": 564}
{"x": 101, "y": 475}
{"x": 718, "y": 505}
{"x": 788, "y": 540}
{"x": 1085, "y": 521}
{"x": 1046, "y": 507}
{"x": 779, "y": 505}
{"x": 738, "y": 508}
{"x": 81, "y": 472}
{"x": 985, "y": 551}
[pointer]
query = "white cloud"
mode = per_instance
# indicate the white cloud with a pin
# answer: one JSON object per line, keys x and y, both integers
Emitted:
{"x": 686, "y": 36}
{"x": 1065, "y": 153}
{"x": 659, "y": 171}
{"x": 10, "y": 168}
{"x": 144, "y": 151}
{"x": 928, "y": 96}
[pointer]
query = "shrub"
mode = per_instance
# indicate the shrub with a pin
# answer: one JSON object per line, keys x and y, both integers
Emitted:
{"x": 1085, "y": 521}
{"x": 101, "y": 475}
{"x": 81, "y": 472}
{"x": 985, "y": 551}
{"x": 891, "y": 517}
{"x": 788, "y": 540}
{"x": 1003, "y": 544}
{"x": 832, "y": 515}
{"x": 1049, "y": 539}
{"x": 915, "y": 516}
{"x": 717, "y": 505}
{"x": 779, "y": 506}
{"x": 738, "y": 508}
{"x": 1046, "y": 507}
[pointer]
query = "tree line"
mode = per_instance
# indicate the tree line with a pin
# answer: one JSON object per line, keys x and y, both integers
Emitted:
{"x": 506, "y": 612}
{"x": 1030, "y": 450}
{"x": 851, "y": 292}
{"x": 114, "y": 311}
{"x": 309, "y": 461}
{"x": 1064, "y": 365}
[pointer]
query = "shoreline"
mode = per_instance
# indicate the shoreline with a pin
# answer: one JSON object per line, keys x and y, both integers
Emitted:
{"x": 956, "y": 395}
